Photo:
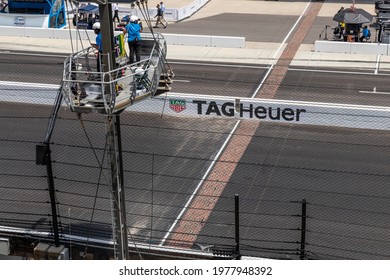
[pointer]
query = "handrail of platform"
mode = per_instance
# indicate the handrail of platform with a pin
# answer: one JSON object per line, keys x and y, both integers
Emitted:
{"x": 85, "y": 90}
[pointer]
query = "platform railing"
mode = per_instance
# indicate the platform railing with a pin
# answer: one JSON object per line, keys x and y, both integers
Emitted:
{"x": 85, "y": 89}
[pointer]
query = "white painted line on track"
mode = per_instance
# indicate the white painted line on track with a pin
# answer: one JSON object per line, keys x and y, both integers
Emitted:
{"x": 289, "y": 69}
{"x": 374, "y": 91}
{"x": 29, "y": 85}
{"x": 279, "y": 50}
{"x": 262, "y": 81}
{"x": 337, "y": 72}
{"x": 292, "y": 29}
{"x": 378, "y": 58}
{"x": 34, "y": 54}
{"x": 200, "y": 183}
{"x": 220, "y": 65}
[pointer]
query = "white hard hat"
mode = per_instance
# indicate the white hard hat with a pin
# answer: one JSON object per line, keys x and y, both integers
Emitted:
{"x": 133, "y": 18}
{"x": 139, "y": 72}
{"x": 96, "y": 25}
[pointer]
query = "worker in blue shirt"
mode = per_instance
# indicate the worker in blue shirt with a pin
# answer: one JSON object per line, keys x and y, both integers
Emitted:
{"x": 133, "y": 30}
{"x": 366, "y": 34}
{"x": 99, "y": 44}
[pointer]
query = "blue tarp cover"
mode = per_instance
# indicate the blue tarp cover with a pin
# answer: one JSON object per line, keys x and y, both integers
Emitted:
{"x": 89, "y": 9}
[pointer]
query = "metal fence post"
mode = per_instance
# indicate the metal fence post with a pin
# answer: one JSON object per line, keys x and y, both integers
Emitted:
{"x": 43, "y": 157}
{"x": 303, "y": 230}
{"x": 237, "y": 225}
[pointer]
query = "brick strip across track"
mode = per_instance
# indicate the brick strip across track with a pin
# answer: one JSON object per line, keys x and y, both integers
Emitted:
{"x": 187, "y": 229}
{"x": 280, "y": 69}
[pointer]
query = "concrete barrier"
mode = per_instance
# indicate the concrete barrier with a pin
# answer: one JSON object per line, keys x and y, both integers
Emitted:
{"x": 351, "y": 48}
{"x": 205, "y": 40}
{"x": 8, "y": 28}
{"x": 182, "y": 39}
{"x": 170, "y": 14}
{"x": 12, "y": 31}
{"x": 230, "y": 42}
{"x": 24, "y": 19}
{"x": 171, "y": 39}
{"x": 66, "y": 33}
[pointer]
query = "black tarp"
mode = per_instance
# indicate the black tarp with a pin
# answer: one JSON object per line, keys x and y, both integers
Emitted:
{"x": 353, "y": 16}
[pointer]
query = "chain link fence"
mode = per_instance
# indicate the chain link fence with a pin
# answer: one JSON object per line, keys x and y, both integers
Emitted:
{"x": 181, "y": 176}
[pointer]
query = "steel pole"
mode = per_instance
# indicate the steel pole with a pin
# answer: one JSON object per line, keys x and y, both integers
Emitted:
{"x": 53, "y": 202}
{"x": 303, "y": 230}
{"x": 114, "y": 137}
{"x": 237, "y": 225}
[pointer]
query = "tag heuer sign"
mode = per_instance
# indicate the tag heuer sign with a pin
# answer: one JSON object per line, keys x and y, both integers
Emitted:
{"x": 177, "y": 105}
{"x": 19, "y": 20}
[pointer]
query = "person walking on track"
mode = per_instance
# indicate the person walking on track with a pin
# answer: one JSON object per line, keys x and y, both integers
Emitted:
{"x": 163, "y": 19}
{"x": 159, "y": 17}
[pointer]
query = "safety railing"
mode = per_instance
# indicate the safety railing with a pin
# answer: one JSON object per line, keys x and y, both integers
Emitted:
{"x": 87, "y": 88}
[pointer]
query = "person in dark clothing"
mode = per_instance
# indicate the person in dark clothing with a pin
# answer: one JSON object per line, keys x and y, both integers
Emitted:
{"x": 159, "y": 16}
{"x": 74, "y": 20}
{"x": 115, "y": 7}
{"x": 163, "y": 19}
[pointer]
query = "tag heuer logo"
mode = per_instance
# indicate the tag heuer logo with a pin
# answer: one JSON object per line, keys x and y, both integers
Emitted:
{"x": 19, "y": 20}
{"x": 177, "y": 105}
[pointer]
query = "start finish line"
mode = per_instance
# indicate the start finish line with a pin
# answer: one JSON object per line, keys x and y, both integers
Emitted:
{"x": 282, "y": 111}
